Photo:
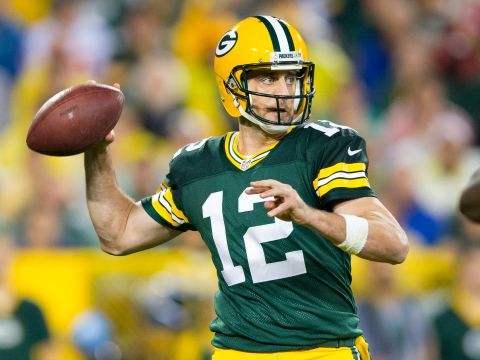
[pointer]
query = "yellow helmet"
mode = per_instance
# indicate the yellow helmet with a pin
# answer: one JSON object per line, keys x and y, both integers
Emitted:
{"x": 263, "y": 42}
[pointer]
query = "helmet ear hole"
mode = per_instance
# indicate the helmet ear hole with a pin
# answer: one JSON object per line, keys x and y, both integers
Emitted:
{"x": 231, "y": 84}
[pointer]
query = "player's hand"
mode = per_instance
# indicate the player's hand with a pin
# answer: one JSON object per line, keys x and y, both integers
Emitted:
{"x": 286, "y": 205}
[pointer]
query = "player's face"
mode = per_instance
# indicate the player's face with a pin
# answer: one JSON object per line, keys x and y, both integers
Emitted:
{"x": 273, "y": 83}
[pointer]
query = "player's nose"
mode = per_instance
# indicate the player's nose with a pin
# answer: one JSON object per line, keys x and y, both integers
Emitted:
{"x": 283, "y": 87}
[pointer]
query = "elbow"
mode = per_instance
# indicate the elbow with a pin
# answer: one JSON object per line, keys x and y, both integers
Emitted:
{"x": 111, "y": 248}
{"x": 399, "y": 254}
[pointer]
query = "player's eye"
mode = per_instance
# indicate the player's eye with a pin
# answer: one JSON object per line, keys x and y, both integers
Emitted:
{"x": 291, "y": 79}
{"x": 267, "y": 79}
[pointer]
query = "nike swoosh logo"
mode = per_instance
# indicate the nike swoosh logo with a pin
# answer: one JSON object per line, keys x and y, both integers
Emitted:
{"x": 351, "y": 152}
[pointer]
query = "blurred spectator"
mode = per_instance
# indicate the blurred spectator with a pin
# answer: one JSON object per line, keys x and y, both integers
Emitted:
{"x": 422, "y": 226}
{"x": 24, "y": 334}
{"x": 11, "y": 37}
{"x": 74, "y": 30}
{"x": 92, "y": 334}
{"x": 393, "y": 324}
{"x": 141, "y": 31}
{"x": 11, "y": 42}
{"x": 155, "y": 86}
{"x": 195, "y": 35}
{"x": 369, "y": 32}
{"x": 29, "y": 12}
{"x": 168, "y": 302}
{"x": 40, "y": 224}
{"x": 456, "y": 327}
{"x": 41, "y": 228}
{"x": 351, "y": 109}
{"x": 414, "y": 115}
{"x": 457, "y": 56}
{"x": 441, "y": 175}
{"x": 430, "y": 139}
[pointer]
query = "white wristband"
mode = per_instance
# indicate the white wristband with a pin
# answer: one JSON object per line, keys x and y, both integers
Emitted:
{"x": 356, "y": 229}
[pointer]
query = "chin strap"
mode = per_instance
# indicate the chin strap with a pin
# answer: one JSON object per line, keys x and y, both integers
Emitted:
{"x": 268, "y": 128}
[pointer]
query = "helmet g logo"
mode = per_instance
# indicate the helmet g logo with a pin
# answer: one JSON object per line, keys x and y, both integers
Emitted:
{"x": 227, "y": 43}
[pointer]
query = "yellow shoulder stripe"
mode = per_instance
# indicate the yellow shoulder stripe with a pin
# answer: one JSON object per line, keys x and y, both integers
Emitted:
{"x": 164, "y": 205}
{"x": 341, "y": 175}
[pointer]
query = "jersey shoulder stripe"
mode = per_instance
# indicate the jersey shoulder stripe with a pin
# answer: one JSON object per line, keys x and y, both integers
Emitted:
{"x": 340, "y": 162}
{"x": 189, "y": 163}
{"x": 161, "y": 206}
{"x": 343, "y": 183}
{"x": 343, "y": 175}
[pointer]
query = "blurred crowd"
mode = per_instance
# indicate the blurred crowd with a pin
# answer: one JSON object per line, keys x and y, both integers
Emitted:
{"x": 404, "y": 73}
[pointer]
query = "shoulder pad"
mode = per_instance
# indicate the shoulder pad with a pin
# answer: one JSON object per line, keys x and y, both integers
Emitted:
{"x": 188, "y": 161}
{"x": 330, "y": 129}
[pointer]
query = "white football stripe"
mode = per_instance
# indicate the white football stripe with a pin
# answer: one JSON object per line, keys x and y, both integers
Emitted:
{"x": 341, "y": 174}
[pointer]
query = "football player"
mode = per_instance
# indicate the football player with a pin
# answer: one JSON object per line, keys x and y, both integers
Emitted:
{"x": 281, "y": 204}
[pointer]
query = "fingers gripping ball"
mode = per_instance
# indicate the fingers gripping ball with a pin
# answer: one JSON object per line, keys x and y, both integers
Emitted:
{"x": 75, "y": 119}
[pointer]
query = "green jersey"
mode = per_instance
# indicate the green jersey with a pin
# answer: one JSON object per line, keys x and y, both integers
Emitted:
{"x": 281, "y": 286}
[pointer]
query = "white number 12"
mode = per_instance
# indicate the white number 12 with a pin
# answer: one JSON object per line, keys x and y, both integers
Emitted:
{"x": 254, "y": 237}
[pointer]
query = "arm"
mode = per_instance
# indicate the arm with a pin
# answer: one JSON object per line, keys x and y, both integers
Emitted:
{"x": 122, "y": 225}
{"x": 386, "y": 241}
{"x": 469, "y": 204}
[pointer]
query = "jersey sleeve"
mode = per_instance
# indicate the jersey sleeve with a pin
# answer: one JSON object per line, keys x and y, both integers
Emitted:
{"x": 342, "y": 170}
{"x": 165, "y": 206}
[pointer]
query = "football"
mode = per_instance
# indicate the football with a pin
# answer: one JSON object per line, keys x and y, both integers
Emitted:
{"x": 469, "y": 203}
{"x": 75, "y": 119}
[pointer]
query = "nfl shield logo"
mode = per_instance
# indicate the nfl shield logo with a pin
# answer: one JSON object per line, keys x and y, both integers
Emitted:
{"x": 245, "y": 164}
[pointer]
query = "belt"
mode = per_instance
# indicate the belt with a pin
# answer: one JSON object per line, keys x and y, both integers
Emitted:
{"x": 337, "y": 343}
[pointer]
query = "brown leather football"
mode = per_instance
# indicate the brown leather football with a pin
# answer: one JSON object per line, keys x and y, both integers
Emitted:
{"x": 75, "y": 119}
{"x": 469, "y": 202}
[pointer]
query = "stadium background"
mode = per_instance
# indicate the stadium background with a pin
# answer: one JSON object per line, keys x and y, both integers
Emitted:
{"x": 404, "y": 73}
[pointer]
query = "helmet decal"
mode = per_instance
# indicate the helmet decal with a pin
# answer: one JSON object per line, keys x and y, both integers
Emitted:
{"x": 279, "y": 33}
{"x": 227, "y": 43}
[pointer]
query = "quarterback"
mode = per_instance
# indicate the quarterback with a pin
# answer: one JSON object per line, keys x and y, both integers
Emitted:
{"x": 282, "y": 204}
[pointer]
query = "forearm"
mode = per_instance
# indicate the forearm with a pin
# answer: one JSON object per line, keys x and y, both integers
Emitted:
{"x": 368, "y": 230}
{"x": 386, "y": 241}
{"x": 108, "y": 206}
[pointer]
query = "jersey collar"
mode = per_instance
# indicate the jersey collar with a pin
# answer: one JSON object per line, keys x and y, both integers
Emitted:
{"x": 241, "y": 161}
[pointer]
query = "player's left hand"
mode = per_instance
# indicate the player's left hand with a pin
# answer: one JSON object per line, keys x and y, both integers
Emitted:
{"x": 287, "y": 204}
